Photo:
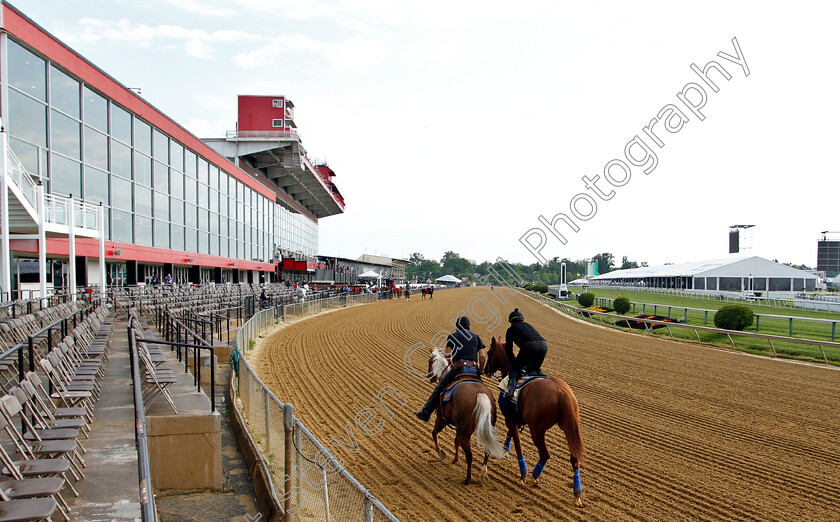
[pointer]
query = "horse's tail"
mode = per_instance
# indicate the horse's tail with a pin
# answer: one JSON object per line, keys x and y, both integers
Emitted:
{"x": 569, "y": 422}
{"x": 484, "y": 427}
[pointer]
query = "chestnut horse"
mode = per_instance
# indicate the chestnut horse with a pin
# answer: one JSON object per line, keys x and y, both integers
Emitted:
{"x": 542, "y": 404}
{"x": 428, "y": 291}
{"x": 471, "y": 408}
{"x": 497, "y": 359}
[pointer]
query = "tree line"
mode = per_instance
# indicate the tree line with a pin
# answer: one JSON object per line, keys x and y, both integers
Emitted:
{"x": 422, "y": 269}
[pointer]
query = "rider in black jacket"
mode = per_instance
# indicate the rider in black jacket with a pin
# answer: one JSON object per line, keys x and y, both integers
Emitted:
{"x": 465, "y": 350}
{"x": 532, "y": 349}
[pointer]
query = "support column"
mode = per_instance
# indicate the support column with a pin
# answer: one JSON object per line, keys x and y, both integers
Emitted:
{"x": 5, "y": 250}
{"x": 101, "y": 217}
{"x": 71, "y": 262}
{"x": 42, "y": 241}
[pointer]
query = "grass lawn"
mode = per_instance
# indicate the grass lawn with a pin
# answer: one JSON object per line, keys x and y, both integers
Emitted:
{"x": 659, "y": 304}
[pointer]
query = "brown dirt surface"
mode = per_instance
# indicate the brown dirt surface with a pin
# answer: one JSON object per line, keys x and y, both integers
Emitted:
{"x": 672, "y": 430}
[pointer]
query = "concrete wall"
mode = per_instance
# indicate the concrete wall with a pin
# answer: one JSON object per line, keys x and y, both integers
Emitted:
{"x": 186, "y": 451}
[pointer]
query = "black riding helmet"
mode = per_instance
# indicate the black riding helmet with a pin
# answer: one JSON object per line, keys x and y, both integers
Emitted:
{"x": 463, "y": 323}
{"x": 516, "y": 316}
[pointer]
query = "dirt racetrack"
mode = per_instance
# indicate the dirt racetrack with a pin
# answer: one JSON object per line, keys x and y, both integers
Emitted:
{"x": 673, "y": 431}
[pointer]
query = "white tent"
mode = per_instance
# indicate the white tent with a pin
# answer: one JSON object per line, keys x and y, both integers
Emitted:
{"x": 369, "y": 274}
{"x": 447, "y": 279}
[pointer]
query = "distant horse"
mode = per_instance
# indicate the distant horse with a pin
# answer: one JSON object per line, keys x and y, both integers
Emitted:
{"x": 428, "y": 291}
{"x": 438, "y": 365}
{"x": 397, "y": 291}
{"x": 543, "y": 403}
{"x": 471, "y": 409}
{"x": 408, "y": 293}
{"x": 497, "y": 359}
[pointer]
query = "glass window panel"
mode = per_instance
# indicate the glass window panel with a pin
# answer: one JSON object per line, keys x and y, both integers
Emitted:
{"x": 214, "y": 177}
{"x": 121, "y": 226}
{"x": 176, "y": 155}
{"x": 203, "y": 172}
{"x": 28, "y": 156}
{"x": 176, "y": 211}
{"x": 161, "y": 175}
{"x": 142, "y": 230}
{"x": 231, "y": 248}
{"x": 27, "y": 119}
{"x": 223, "y": 246}
{"x": 176, "y": 184}
{"x": 65, "y": 176}
{"x": 189, "y": 190}
{"x": 142, "y": 136}
{"x": 190, "y": 215}
{"x": 203, "y": 195}
{"x": 191, "y": 240}
{"x": 142, "y": 200}
{"x": 214, "y": 245}
{"x": 214, "y": 201}
{"x": 120, "y": 159}
{"x": 203, "y": 243}
{"x": 177, "y": 239}
{"x": 214, "y": 223}
{"x": 161, "y": 206}
{"x": 189, "y": 163}
{"x": 121, "y": 193}
{"x": 161, "y": 234}
{"x": 96, "y": 110}
{"x": 96, "y": 186}
{"x": 203, "y": 220}
{"x": 120, "y": 124}
{"x": 142, "y": 169}
{"x": 27, "y": 72}
{"x": 65, "y": 135}
{"x": 161, "y": 147}
{"x": 96, "y": 149}
{"x": 64, "y": 93}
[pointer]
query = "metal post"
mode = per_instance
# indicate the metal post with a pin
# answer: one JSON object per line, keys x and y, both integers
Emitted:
{"x": 101, "y": 224}
{"x": 288, "y": 427}
{"x": 5, "y": 249}
{"x": 71, "y": 242}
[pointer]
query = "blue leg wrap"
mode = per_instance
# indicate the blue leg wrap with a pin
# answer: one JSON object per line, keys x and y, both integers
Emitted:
{"x": 507, "y": 444}
{"x": 538, "y": 469}
{"x": 523, "y": 468}
{"x": 577, "y": 487}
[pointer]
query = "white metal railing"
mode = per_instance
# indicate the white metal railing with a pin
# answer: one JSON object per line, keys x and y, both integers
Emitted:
{"x": 17, "y": 172}
{"x": 263, "y": 134}
{"x": 57, "y": 212}
{"x": 86, "y": 215}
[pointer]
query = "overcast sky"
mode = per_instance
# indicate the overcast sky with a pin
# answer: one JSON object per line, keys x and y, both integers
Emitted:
{"x": 456, "y": 125}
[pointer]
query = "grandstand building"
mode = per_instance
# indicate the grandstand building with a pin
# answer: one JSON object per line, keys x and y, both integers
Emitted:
{"x": 148, "y": 196}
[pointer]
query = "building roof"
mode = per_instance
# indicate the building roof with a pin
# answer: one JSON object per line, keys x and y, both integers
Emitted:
{"x": 724, "y": 267}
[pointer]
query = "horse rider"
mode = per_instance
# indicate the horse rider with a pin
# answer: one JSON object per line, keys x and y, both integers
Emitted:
{"x": 467, "y": 355}
{"x": 532, "y": 349}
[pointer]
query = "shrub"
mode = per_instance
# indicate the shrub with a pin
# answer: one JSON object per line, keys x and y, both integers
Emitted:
{"x": 734, "y": 317}
{"x": 528, "y": 287}
{"x": 586, "y": 299}
{"x": 622, "y": 305}
{"x": 541, "y": 288}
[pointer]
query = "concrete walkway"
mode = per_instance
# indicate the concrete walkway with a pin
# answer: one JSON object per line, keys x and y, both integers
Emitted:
{"x": 110, "y": 489}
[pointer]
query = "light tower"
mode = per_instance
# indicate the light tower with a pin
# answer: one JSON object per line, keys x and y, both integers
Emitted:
{"x": 735, "y": 236}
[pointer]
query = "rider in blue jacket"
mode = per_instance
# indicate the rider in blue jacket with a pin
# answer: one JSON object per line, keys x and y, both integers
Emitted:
{"x": 466, "y": 352}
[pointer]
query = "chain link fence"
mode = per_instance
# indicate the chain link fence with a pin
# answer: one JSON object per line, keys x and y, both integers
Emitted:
{"x": 307, "y": 481}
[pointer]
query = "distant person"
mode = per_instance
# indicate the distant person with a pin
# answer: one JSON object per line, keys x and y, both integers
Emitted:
{"x": 168, "y": 280}
{"x": 263, "y": 300}
{"x": 155, "y": 280}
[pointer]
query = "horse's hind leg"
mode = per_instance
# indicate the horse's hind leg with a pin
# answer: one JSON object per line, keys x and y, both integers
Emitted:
{"x": 484, "y": 467}
{"x": 465, "y": 444}
{"x": 538, "y": 436}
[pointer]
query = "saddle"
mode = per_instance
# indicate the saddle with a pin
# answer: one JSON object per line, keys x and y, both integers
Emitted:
{"x": 523, "y": 381}
{"x": 449, "y": 391}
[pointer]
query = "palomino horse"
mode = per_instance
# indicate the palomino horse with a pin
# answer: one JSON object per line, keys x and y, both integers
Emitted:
{"x": 428, "y": 291}
{"x": 542, "y": 404}
{"x": 471, "y": 409}
{"x": 438, "y": 365}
